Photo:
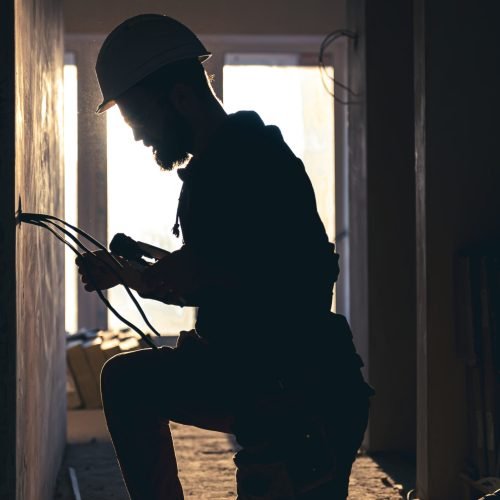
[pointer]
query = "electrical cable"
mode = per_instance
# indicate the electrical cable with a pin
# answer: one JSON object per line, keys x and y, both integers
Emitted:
{"x": 27, "y": 216}
{"x": 115, "y": 273}
{"x": 41, "y": 220}
{"x": 327, "y": 41}
{"x": 99, "y": 292}
{"x": 81, "y": 245}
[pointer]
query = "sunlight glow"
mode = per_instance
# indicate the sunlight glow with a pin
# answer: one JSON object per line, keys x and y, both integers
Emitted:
{"x": 70, "y": 191}
{"x": 142, "y": 203}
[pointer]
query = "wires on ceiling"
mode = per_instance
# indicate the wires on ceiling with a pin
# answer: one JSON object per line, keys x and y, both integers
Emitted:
{"x": 326, "y": 78}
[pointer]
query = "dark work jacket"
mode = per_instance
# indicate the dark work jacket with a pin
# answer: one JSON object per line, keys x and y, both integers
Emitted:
{"x": 249, "y": 219}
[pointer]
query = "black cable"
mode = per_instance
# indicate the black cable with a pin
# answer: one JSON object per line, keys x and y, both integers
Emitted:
{"x": 27, "y": 216}
{"x": 42, "y": 219}
{"x": 324, "y": 45}
{"x": 115, "y": 273}
{"x": 92, "y": 282}
{"x": 328, "y": 40}
{"x": 81, "y": 245}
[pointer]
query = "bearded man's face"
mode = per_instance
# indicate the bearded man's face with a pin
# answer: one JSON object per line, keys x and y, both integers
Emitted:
{"x": 171, "y": 149}
{"x": 158, "y": 125}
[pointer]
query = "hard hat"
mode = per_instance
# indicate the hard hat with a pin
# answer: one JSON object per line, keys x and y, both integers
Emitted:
{"x": 138, "y": 47}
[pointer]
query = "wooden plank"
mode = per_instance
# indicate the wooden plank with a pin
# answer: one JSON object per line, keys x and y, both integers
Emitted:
{"x": 96, "y": 358}
{"x": 111, "y": 347}
{"x": 82, "y": 374}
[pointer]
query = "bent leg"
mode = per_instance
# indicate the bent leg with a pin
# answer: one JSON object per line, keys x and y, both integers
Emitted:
{"x": 141, "y": 392}
{"x": 140, "y": 433}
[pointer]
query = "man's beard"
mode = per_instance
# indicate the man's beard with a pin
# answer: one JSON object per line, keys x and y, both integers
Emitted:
{"x": 172, "y": 151}
{"x": 167, "y": 159}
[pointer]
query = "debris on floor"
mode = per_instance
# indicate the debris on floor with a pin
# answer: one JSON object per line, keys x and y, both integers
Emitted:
{"x": 206, "y": 470}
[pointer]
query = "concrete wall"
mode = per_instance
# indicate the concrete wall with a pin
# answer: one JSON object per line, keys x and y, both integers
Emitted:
{"x": 382, "y": 214}
{"x": 214, "y": 16}
{"x": 7, "y": 255}
{"x": 32, "y": 285}
{"x": 458, "y": 178}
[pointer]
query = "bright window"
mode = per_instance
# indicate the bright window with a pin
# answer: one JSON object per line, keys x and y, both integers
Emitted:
{"x": 70, "y": 188}
{"x": 142, "y": 203}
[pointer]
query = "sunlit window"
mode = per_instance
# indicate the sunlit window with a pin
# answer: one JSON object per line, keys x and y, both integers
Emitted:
{"x": 70, "y": 186}
{"x": 142, "y": 203}
{"x": 293, "y": 98}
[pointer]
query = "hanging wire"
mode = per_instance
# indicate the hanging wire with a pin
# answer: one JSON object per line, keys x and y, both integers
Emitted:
{"x": 42, "y": 220}
{"x": 99, "y": 292}
{"x": 130, "y": 294}
{"x": 113, "y": 270}
{"x": 325, "y": 77}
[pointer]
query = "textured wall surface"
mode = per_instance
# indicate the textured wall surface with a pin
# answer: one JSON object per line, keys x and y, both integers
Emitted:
{"x": 7, "y": 255}
{"x": 40, "y": 422}
{"x": 294, "y": 17}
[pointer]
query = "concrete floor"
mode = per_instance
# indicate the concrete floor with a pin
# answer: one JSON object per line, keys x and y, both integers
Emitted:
{"x": 205, "y": 465}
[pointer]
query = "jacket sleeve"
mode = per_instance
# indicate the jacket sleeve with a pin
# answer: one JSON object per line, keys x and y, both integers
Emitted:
{"x": 182, "y": 278}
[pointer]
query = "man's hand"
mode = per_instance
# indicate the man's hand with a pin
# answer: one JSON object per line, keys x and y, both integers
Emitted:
{"x": 174, "y": 279}
{"x": 165, "y": 280}
{"x": 99, "y": 271}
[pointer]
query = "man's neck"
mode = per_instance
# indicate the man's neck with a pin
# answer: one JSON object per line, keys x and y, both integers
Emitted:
{"x": 206, "y": 126}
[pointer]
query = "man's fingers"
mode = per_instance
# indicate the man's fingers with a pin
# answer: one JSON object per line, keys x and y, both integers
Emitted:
{"x": 97, "y": 271}
{"x": 88, "y": 284}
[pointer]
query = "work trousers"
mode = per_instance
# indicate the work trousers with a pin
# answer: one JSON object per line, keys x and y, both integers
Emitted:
{"x": 144, "y": 390}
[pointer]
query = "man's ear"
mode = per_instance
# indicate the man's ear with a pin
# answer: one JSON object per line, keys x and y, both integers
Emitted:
{"x": 184, "y": 99}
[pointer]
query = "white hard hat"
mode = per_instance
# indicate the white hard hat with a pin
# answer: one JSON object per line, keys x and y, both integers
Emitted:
{"x": 138, "y": 47}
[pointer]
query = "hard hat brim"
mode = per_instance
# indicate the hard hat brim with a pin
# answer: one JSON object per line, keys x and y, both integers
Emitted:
{"x": 104, "y": 106}
{"x": 109, "y": 103}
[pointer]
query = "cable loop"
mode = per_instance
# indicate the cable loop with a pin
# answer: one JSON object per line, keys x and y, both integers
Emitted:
{"x": 327, "y": 41}
{"x": 42, "y": 220}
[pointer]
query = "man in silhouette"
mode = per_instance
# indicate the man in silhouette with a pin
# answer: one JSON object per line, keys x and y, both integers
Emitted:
{"x": 267, "y": 360}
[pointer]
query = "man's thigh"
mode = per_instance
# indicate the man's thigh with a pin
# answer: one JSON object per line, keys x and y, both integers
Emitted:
{"x": 184, "y": 384}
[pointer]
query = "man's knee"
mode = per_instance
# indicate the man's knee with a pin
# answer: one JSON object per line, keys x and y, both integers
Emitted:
{"x": 113, "y": 370}
{"x": 136, "y": 369}
{"x": 129, "y": 369}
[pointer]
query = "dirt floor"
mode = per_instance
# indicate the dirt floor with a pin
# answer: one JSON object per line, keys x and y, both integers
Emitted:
{"x": 206, "y": 470}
